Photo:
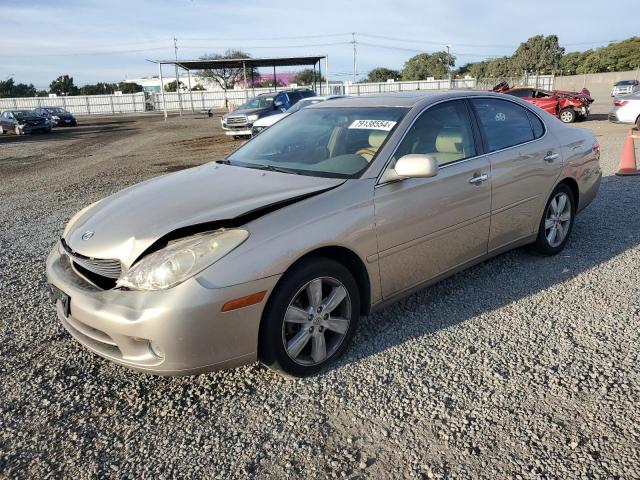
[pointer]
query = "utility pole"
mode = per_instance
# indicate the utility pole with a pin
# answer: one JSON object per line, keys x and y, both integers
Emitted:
{"x": 175, "y": 49}
{"x": 355, "y": 69}
{"x": 449, "y": 63}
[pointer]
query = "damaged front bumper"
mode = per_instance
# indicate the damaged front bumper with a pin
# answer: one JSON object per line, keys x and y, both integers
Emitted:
{"x": 179, "y": 331}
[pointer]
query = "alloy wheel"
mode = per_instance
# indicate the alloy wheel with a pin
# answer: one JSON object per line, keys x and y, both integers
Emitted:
{"x": 558, "y": 219}
{"x": 316, "y": 321}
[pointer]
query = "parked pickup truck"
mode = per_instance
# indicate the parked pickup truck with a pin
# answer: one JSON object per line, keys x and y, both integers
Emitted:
{"x": 567, "y": 106}
{"x": 239, "y": 122}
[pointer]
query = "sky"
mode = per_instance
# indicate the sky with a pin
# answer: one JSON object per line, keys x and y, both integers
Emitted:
{"x": 109, "y": 41}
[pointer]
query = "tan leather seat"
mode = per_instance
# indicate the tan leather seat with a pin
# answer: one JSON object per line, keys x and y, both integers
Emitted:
{"x": 449, "y": 146}
{"x": 376, "y": 139}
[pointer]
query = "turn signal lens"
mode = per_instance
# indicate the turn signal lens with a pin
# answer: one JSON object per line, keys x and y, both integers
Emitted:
{"x": 619, "y": 103}
{"x": 244, "y": 301}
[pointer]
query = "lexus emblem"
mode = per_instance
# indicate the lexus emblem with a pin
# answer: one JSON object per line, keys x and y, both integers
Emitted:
{"x": 88, "y": 234}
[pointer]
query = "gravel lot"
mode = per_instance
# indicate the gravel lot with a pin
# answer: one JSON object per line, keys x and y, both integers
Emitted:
{"x": 523, "y": 366}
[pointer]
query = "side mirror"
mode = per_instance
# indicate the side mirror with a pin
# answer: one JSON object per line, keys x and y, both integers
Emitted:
{"x": 416, "y": 166}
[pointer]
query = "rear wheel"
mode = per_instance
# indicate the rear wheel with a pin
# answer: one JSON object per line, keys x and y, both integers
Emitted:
{"x": 557, "y": 221}
{"x": 567, "y": 115}
{"x": 638, "y": 123}
{"x": 310, "y": 318}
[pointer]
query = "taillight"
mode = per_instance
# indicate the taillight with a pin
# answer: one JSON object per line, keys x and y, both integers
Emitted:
{"x": 619, "y": 103}
{"x": 596, "y": 149}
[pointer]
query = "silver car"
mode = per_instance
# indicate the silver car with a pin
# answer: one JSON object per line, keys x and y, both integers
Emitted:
{"x": 625, "y": 87}
{"x": 626, "y": 110}
{"x": 276, "y": 251}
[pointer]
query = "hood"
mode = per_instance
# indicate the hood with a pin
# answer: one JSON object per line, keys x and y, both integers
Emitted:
{"x": 270, "y": 119}
{"x": 248, "y": 111}
{"x": 125, "y": 224}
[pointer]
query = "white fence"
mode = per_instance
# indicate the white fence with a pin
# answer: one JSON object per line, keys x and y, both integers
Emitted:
{"x": 204, "y": 100}
{"x": 82, "y": 105}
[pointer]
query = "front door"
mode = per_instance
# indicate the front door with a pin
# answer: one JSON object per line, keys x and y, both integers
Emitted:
{"x": 427, "y": 226}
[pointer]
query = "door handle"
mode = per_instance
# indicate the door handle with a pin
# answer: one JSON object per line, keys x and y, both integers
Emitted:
{"x": 550, "y": 157}
{"x": 478, "y": 179}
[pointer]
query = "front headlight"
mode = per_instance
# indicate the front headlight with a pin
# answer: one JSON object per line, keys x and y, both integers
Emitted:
{"x": 55, "y": 117}
{"x": 181, "y": 260}
{"x": 252, "y": 118}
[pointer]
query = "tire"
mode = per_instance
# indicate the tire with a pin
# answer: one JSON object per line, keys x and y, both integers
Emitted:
{"x": 308, "y": 335}
{"x": 546, "y": 243}
{"x": 638, "y": 123}
{"x": 567, "y": 115}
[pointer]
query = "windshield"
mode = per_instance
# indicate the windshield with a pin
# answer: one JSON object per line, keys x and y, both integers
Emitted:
{"x": 625, "y": 82}
{"x": 56, "y": 110}
{"x": 258, "y": 102}
{"x": 327, "y": 142}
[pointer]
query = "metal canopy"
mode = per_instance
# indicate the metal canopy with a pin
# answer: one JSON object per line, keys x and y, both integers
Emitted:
{"x": 223, "y": 63}
{"x": 246, "y": 62}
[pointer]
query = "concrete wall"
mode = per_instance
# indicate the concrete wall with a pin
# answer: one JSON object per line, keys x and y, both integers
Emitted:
{"x": 599, "y": 84}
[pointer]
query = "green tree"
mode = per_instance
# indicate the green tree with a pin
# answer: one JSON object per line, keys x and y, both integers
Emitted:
{"x": 424, "y": 65}
{"x": 307, "y": 77}
{"x": 226, "y": 77}
{"x": 63, "y": 85}
{"x": 128, "y": 87}
{"x": 382, "y": 74}
{"x": 171, "y": 86}
{"x": 571, "y": 63}
{"x": 539, "y": 54}
{"x": 99, "y": 88}
{"x": 9, "y": 89}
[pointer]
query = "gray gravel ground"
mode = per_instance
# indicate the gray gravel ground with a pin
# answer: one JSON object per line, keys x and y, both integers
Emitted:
{"x": 523, "y": 366}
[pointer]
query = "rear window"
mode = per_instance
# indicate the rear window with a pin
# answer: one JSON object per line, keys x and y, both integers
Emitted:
{"x": 536, "y": 125}
{"x": 503, "y": 123}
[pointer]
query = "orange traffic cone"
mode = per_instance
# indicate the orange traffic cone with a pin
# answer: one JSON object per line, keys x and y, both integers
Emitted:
{"x": 628, "y": 158}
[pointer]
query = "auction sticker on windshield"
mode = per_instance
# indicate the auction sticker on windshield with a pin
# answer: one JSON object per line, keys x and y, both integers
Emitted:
{"x": 373, "y": 124}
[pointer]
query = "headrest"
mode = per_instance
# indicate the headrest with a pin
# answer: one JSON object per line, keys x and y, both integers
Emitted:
{"x": 449, "y": 141}
{"x": 376, "y": 138}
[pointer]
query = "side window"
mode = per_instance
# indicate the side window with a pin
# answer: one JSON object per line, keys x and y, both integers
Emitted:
{"x": 443, "y": 132}
{"x": 536, "y": 124}
{"x": 503, "y": 123}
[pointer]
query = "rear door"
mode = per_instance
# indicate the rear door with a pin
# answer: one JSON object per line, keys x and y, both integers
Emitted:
{"x": 427, "y": 226}
{"x": 525, "y": 163}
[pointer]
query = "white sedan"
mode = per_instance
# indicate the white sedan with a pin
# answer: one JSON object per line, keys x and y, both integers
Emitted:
{"x": 626, "y": 110}
{"x": 265, "y": 122}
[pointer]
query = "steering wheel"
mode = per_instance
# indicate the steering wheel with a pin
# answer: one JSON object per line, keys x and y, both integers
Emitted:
{"x": 366, "y": 151}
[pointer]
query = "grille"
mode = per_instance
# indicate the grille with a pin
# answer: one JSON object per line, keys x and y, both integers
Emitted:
{"x": 105, "y": 268}
{"x": 237, "y": 120}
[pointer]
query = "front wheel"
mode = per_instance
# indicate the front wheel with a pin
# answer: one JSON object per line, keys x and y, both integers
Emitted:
{"x": 557, "y": 221}
{"x": 567, "y": 115}
{"x": 310, "y": 318}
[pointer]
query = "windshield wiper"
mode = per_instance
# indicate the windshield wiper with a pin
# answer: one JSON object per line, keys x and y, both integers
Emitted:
{"x": 270, "y": 168}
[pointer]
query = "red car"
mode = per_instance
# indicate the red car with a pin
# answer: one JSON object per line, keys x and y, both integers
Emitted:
{"x": 567, "y": 106}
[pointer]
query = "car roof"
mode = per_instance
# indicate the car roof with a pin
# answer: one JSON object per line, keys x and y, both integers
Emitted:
{"x": 402, "y": 99}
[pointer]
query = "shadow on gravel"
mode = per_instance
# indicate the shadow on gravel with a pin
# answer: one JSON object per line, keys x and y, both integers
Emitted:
{"x": 606, "y": 228}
